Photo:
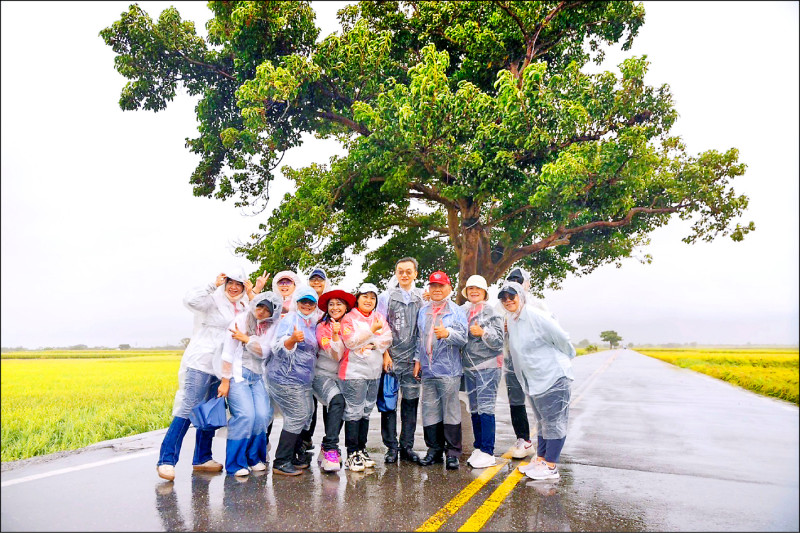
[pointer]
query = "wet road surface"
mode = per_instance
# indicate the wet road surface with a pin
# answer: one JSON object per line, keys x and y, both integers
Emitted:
{"x": 650, "y": 447}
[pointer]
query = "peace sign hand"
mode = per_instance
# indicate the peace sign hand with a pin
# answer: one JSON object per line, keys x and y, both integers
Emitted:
{"x": 261, "y": 282}
{"x": 239, "y": 335}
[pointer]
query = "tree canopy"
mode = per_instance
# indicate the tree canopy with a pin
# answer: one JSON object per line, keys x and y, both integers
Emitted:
{"x": 474, "y": 138}
{"x": 611, "y": 337}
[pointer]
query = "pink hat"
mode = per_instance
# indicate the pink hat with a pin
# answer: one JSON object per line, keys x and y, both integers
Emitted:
{"x": 439, "y": 277}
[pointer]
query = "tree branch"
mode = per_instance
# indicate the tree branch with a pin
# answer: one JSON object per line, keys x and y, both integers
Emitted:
{"x": 351, "y": 124}
{"x": 206, "y": 65}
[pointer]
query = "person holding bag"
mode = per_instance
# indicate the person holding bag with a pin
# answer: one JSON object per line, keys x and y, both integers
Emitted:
{"x": 240, "y": 368}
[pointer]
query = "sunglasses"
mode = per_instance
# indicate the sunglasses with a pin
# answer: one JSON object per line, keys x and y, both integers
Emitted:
{"x": 285, "y": 281}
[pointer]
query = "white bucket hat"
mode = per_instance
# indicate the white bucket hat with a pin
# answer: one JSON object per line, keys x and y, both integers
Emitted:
{"x": 476, "y": 281}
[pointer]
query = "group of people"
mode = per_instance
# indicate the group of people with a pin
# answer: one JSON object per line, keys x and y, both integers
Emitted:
{"x": 308, "y": 343}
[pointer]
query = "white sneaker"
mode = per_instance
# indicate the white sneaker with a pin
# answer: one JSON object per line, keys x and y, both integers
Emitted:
{"x": 540, "y": 471}
{"x": 258, "y": 467}
{"x": 366, "y": 459}
{"x": 475, "y": 453}
{"x": 527, "y": 466}
{"x": 483, "y": 460}
{"x": 354, "y": 462}
{"x": 242, "y": 472}
{"x": 166, "y": 472}
{"x": 522, "y": 449}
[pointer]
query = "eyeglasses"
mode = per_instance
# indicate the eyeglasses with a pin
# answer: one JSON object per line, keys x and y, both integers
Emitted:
{"x": 506, "y": 297}
{"x": 285, "y": 281}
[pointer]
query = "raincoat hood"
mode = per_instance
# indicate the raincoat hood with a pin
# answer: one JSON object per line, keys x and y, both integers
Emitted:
{"x": 274, "y": 300}
{"x": 526, "y": 277}
{"x": 520, "y": 293}
{"x": 319, "y": 271}
{"x": 286, "y": 274}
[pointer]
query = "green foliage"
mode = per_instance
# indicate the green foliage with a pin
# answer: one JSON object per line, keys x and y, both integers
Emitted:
{"x": 591, "y": 348}
{"x": 611, "y": 337}
{"x": 474, "y": 138}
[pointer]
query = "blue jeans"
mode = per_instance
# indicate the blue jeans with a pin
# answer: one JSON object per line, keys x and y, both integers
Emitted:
{"x": 481, "y": 386}
{"x": 198, "y": 387}
{"x": 251, "y": 412}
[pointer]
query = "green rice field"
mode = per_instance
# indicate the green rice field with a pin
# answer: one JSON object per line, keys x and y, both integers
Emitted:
{"x": 78, "y": 399}
{"x": 768, "y": 371}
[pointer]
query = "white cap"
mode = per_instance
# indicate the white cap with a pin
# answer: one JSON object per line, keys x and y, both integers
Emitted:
{"x": 368, "y": 287}
{"x": 476, "y": 281}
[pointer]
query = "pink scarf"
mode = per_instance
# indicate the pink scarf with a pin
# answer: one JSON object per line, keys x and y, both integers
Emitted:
{"x": 436, "y": 309}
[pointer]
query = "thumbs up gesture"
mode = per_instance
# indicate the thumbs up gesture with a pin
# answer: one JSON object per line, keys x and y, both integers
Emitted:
{"x": 297, "y": 335}
{"x": 441, "y": 331}
{"x": 476, "y": 329}
{"x": 335, "y": 328}
{"x": 376, "y": 326}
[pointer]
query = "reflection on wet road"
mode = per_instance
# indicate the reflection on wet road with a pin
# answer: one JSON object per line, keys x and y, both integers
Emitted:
{"x": 650, "y": 447}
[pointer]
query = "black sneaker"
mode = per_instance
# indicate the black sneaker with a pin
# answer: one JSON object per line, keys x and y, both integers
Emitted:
{"x": 302, "y": 461}
{"x": 452, "y": 463}
{"x": 285, "y": 469}
{"x": 407, "y": 454}
{"x": 391, "y": 456}
{"x": 431, "y": 458}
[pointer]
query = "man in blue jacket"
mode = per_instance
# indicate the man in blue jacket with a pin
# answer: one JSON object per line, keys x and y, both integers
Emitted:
{"x": 442, "y": 332}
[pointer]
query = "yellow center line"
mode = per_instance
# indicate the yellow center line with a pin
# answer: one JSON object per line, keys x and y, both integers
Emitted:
{"x": 450, "y": 508}
{"x": 487, "y": 509}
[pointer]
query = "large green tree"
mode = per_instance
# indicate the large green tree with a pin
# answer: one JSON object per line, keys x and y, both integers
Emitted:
{"x": 475, "y": 139}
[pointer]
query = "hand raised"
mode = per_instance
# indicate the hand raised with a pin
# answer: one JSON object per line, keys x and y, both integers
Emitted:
{"x": 298, "y": 335}
{"x": 476, "y": 330}
{"x": 441, "y": 331}
{"x": 220, "y": 279}
{"x": 239, "y": 335}
{"x": 261, "y": 281}
{"x": 335, "y": 327}
{"x": 376, "y": 326}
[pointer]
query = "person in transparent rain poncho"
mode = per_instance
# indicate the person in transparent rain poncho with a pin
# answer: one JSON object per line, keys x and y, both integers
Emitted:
{"x": 482, "y": 358}
{"x": 290, "y": 372}
{"x": 285, "y": 283}
{"x": 542, "y": 355}
{"x": 442, "y": 332}
{"x": 317, "y": 280}
{"x": 240, "y": 367}
{"x": 214, "y": 306}
{"x": 366, "y": 335}
{"x": 516, "y": 396}
{"x": 400, "y": 304}
{"x": 335, "y": 303}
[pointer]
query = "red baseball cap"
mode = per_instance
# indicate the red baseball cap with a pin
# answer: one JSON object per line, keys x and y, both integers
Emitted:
{"x": 439, "y": 277}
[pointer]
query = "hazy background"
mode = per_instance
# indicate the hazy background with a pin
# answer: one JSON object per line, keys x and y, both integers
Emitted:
{"x": 101, "y": 236}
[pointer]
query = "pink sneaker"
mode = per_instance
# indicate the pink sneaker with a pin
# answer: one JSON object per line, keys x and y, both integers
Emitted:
{"x": 331, "y": 461}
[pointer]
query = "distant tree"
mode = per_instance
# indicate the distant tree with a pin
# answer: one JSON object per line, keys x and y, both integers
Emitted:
{"x": 474, "y": 134}
{"x": 611, "y": 337}
{"x": 78, "y": 347}
{"x": 124, "y": 346}
{"x": 591, "y": 348}
{"x": 583, "y": 344}
{"x": 185, "y": 342}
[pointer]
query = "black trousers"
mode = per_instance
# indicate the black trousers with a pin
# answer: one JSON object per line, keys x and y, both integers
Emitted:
{"x": 441, "y": 437}
{"x": 408, "y": 425}
{"x": 332, "y": 416}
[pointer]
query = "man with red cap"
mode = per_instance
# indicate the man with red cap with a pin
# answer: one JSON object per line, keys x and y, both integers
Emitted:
{"x": 437, "y": 361}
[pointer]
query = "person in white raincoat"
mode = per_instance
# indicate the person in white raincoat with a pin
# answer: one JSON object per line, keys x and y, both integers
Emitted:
{"x": 336, "y": 303}
{"x": 482, "y": 358}
{"x": 367, "y": 336}
{"x": 290, "y": 373}
{"x": 317, "y": 280}
{"x": 542, "y": 355}
{"x": 442, "y": 328}
{"x": 516, "y": 396}
{"x": 214, "y": 305}
{"x": 240, "y": 366}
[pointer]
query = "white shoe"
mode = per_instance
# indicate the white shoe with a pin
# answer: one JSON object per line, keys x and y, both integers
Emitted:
{"x": 209, "y": 466}
{"x": 541, "y": 471}
{"x": 166, "y": 472}
{"x": 258, "y": 467}
{"x": 242, "y": 472}
{"x": 527, "y": 466}
{"x": 483, "y": 460}
{"x": 475, "y": 453}
{"x": 522, "y": 449}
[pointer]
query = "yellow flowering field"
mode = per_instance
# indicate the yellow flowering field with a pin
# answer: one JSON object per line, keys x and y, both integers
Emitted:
{"x": 50, "y": 405}
{"x": 768, "y": 371}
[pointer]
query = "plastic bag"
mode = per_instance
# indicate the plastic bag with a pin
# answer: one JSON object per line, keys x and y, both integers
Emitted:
{"x": 387, "y": 392}
{"x": 210, "y": 414}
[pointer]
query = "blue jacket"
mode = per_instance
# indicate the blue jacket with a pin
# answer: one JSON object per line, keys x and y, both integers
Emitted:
{"x": 295, "y": 367}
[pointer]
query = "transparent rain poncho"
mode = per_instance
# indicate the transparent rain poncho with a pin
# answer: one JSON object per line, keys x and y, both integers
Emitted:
{"x": 291, "y": 372}
{"x": 440, "y": 361}
{"x": 526, "y": 286}
{"x": 364, "y": 358}
{"x": 213, "y": 312}
{"x": 541, "y": 353}
{"x": 482, "y": 357}
{"x": 329, "y": 353}
{"x": 400, "y": 309}
{"x": 235, "y": 354}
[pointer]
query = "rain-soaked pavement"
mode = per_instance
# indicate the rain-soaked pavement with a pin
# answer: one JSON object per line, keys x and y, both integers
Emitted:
{"x": 650, "y": 447}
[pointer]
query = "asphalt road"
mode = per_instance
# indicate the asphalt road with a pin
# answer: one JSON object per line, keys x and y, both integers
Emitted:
{"x": 650, "y": 447}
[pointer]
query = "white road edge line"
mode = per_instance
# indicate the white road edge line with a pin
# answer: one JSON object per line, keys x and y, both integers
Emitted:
{"x": 77, "y": 468}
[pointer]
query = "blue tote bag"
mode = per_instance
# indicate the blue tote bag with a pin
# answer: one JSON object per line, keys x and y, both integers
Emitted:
{"x": 387, "y": 392}
{"x": 210, "y": 414}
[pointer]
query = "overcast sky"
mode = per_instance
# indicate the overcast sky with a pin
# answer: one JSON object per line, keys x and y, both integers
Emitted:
{"x": 101, "y": 236}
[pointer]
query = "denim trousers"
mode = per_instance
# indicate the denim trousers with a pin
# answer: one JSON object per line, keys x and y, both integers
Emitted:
{"x": 198, "y": 387}
{"x": 251, "y": 412}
